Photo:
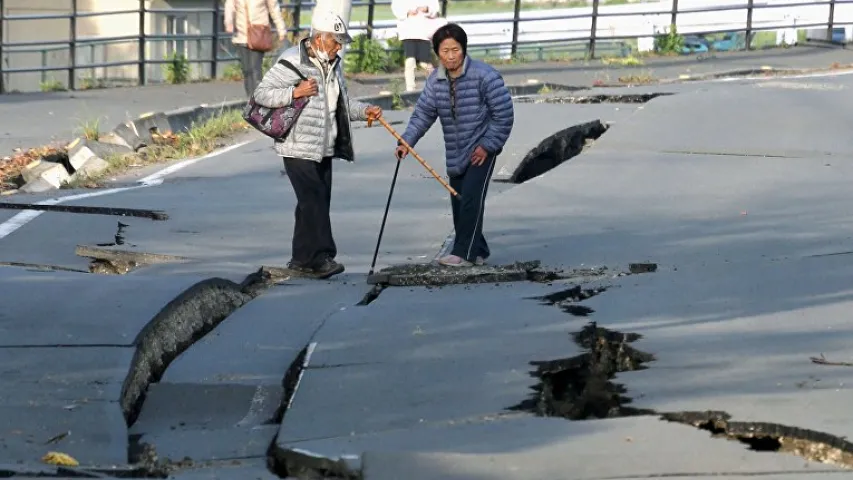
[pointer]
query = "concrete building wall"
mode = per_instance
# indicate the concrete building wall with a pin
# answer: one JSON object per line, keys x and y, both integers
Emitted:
{"x": 39, "y": 31}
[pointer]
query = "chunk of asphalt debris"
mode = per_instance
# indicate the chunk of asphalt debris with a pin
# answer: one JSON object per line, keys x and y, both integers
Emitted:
{"x": 424, "y": 274}
{"x": 580, "y": 387}
{"x": 556, "y": 149}
{"x": 567, "y": 299}
{"x": 637, "y": 268}
{"x": 593, "y": 99}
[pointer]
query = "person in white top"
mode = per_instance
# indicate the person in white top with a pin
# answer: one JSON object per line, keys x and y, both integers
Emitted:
{"x": 417, "y": 21}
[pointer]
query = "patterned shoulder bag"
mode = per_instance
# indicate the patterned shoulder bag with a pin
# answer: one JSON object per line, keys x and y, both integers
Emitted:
{"x": 275, "y": 123}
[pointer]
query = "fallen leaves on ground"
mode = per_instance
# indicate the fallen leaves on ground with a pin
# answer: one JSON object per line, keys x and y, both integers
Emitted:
{"x": 59, "y": 458}
{"x": 165, "y": 138}
{"x": 11, "y": 166}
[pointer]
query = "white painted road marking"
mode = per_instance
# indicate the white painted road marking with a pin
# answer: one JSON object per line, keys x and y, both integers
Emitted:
{"x": 13, "y": 224}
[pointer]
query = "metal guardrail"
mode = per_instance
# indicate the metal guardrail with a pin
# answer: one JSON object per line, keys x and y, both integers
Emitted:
{"x": 297, "y": 9}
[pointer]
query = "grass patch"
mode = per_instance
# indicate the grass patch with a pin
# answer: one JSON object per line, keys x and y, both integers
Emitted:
{"x": 638, "y": 79}
{"x": 199, "y": 140}
{"x": 52, "y": 85}
{"x": 90, "y": 129}
{"x": 629, "y": 61}
{"x": 233, "y": 72}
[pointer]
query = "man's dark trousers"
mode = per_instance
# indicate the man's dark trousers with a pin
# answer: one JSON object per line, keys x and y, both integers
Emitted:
{"x": 472, "y": 186}
{"x": 312, "y": 229}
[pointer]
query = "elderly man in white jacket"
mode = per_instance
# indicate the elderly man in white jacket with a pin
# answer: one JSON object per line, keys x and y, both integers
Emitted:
{"x": 417, "y": 21}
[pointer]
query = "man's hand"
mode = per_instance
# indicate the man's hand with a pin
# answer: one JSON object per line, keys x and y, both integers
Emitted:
{"x": 412, "y": 13}
{"x": 282, "y": 36}
{"x": 373, "y": 113}
{"x": 401, "y": 152}
{"x": 229, "y": 28}
{"x": 306, "y": 88}
{"x": 479, "y": 156}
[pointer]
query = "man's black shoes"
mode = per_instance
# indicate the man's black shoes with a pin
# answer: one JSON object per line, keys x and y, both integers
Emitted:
{"x": 326, "y": 269}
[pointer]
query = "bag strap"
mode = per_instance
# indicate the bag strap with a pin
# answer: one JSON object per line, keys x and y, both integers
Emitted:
{"x": 292, "y": 67}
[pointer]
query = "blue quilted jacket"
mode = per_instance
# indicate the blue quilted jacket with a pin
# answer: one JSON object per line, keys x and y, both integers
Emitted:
{"x": 482, "y": 113}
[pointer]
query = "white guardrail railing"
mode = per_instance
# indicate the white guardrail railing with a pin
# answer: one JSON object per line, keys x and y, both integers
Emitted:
{"x": 643, "y": 21}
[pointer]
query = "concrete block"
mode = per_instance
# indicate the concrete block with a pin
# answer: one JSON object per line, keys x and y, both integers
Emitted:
{"x": 115, "y": 140}
{"x": 216, "y": 109}
{"x": 86, "y": 157}
{"x": 39, "y": 185}
{"x": 54, "y": 174}
{"x": 137, "y": 133}
{"x": 93, "y": 166}
{"x": 182, "y": 119}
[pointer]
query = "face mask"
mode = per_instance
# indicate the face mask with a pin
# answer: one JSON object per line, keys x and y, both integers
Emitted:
{"x": 322, "y": 55}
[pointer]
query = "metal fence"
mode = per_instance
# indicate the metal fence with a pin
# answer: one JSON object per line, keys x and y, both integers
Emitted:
{"x": 80, "y": 57}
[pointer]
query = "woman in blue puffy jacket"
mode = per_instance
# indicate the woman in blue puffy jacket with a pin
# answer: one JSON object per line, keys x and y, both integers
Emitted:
{"x": 476, "y": 113}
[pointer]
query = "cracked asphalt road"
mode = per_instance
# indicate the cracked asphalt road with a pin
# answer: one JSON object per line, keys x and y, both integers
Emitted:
{"x": 737, "y": 190}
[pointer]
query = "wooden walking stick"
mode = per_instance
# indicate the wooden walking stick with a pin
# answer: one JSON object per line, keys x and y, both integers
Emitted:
{"x": 414, "y": 154}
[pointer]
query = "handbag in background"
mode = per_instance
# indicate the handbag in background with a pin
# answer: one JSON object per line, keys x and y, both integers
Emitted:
{"x": 258, "y": 37}
{"x": 275, "y": 123}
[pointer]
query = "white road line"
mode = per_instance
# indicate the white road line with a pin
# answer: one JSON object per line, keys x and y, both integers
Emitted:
{"x": 13, "y": 224}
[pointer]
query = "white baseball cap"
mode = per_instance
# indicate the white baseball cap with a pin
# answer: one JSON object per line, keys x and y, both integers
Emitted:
{"x": 328, "y": 22}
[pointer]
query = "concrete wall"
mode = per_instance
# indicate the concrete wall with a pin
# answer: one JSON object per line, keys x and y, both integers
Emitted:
{"x": 48, "y": 30}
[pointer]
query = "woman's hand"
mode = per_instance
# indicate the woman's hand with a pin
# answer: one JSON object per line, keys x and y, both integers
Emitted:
{"x": 401, "y": 152}
{"x": 306, "y": 88}
{"x": 479, "y": 157}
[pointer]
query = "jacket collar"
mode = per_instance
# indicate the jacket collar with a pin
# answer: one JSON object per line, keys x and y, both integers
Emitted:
{"x": 441, "y": 72}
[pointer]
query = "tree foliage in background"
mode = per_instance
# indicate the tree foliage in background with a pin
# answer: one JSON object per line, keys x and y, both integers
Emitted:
{"x": 368, "y": 55}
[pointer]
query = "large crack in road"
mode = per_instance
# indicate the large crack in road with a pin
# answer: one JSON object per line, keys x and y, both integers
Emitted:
{"x": 582, "y": 388}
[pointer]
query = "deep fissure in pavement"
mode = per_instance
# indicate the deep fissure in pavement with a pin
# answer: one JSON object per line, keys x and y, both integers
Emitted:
{"x": 771, "y": 437}
{"x": 121, "y": 212}
{"x": 593, "y": 99}
{"x": 285, "y": 463}
{"x": 556, "y": 149}
{"x": 581, "y": 387}
{"x": 371, "y": 295}
{"x": 568, "y": 299}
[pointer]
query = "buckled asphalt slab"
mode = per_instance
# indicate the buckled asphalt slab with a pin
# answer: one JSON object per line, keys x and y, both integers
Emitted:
{"x": 220, "y": 398}
{"x": 416, "y": 356}
{"x": 731, "y": 315}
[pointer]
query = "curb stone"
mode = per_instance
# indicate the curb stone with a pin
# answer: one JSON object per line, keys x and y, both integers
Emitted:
{"x": 86, "y": 157}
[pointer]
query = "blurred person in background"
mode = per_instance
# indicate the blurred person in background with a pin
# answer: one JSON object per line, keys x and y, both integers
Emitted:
{"x": 417, "y": 20}
{"x": 321, "y": 133}
{"x": 239, "y": 15}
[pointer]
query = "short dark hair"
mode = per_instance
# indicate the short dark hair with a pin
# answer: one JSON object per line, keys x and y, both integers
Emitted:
{"x": 451, "y": 30}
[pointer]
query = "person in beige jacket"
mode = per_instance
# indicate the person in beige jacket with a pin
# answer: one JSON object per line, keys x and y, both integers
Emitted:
{"x": 259, "y": 13}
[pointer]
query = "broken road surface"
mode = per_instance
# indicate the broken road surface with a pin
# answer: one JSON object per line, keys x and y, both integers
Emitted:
{"x": 686, "y": 278}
